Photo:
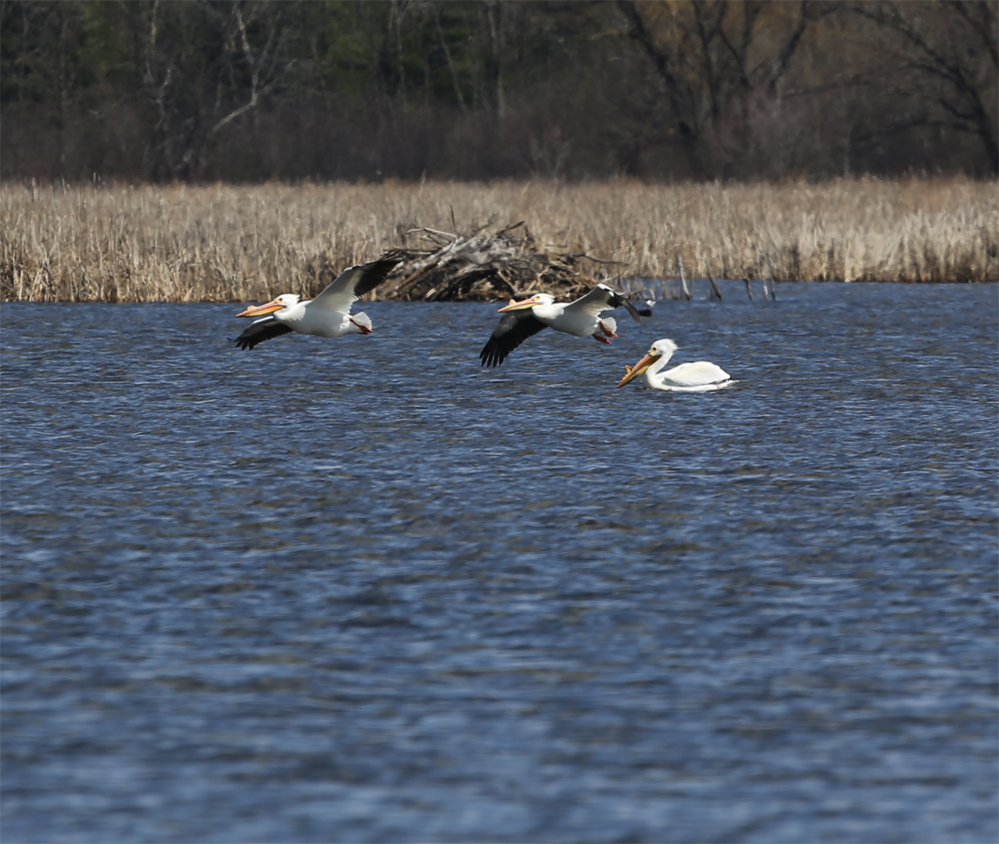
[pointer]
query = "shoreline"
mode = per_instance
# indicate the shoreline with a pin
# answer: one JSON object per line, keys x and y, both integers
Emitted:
{"x": 223, "y": 243}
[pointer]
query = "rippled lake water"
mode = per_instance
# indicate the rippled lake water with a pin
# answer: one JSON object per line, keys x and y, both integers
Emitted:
{"x": 364, "y": 590}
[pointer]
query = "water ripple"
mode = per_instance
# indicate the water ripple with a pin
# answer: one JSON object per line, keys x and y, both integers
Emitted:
{"x": 364, "y": 590}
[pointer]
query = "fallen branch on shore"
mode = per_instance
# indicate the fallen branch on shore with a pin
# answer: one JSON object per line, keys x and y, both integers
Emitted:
{"x": 509, "y": 263}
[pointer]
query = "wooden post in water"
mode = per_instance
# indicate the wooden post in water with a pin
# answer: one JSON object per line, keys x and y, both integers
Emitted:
{"x": 683, "y": 279}
{"x": 715, "y": 292}
{"x": 749, "y": 288}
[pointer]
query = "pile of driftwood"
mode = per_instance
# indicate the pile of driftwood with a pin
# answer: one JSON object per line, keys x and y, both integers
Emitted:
{"x": 509, "y": 263}
{"x": 484, "y": 267}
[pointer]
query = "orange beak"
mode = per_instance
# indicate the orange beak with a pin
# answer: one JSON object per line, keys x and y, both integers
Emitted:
{"x": 517, "y": 306}
{"x": 260, "y": 310}
{"x": 638, "y": 368}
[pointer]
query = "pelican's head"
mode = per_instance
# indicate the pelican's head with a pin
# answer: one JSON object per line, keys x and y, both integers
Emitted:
{"x": 536, "y": 299}
{"x": 660, "y": 349}
{"x": 663, "y": 347}
{"x": 285, "y": 300}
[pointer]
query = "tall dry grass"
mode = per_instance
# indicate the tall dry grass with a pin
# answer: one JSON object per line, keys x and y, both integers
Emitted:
{"x": 226, "y": 243}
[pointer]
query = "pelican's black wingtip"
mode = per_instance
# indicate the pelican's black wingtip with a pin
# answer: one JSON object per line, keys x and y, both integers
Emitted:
{"x": 635, "y": 314}
{"x": 490, "y": 356}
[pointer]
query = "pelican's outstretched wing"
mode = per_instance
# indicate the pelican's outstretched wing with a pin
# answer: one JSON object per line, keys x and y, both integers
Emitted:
{"x": 602, "y": 298}
{"x": 262, "y": 329}
{"x": 353, "y": 283}
{"x": 513, "y": 329}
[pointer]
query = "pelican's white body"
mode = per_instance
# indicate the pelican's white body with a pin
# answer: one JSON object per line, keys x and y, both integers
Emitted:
{"x": 328, "y": 315}
{"x": 697, "y": 377}
{"x": 329, "y": 318}
{"x": 580, "y": 318}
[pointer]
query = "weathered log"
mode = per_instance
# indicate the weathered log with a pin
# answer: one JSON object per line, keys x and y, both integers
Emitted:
{"x": 683, "y": 279}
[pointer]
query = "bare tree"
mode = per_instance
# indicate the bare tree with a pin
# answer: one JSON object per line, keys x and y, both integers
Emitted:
{"x": 46, "y": 66}
{"x": 680, "y": 93}
{"x": 175, "y": 82}
{"x": 716, "y": 60}
{"x": 251, "y": 89}
{"x": 950, "y": 54}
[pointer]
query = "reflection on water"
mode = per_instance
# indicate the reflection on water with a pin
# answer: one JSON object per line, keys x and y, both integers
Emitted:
{"x": 363, "y": 590}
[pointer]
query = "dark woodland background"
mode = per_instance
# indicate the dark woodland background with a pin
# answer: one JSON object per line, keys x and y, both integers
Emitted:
{"x": 250, "y": 91}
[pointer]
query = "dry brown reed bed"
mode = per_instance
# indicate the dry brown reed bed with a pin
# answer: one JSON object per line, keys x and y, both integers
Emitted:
{"x": 228, "y": 243}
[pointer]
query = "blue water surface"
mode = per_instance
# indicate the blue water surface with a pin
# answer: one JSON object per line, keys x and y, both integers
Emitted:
{"x": 365, "y": 590}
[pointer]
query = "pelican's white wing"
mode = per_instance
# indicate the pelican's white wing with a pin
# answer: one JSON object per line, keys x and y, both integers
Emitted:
{"x": 601, "y": 298}
{"x": 700, "y": 374}
{"x": 351, "y": 284}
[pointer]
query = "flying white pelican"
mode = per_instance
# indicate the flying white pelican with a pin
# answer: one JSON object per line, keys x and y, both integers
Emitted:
{"x": 580, "y": 318}
{"x": 328, "y": 315}
{"x": 698, "y": 377}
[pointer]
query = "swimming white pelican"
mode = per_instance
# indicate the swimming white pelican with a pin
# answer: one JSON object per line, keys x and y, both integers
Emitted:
{"x": 698, "y": 377}
{"x": 580, "y": 318}
{"x": 328, "y": 315}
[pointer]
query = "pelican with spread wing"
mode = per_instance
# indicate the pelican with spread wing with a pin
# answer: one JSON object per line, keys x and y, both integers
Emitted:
{"x": 328, "y": 315}
{"x": 580, "y": 318}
